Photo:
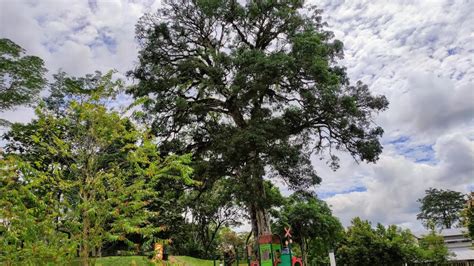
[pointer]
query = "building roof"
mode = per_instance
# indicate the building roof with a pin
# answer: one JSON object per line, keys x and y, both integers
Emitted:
{"x": 462, "y": 254}
{"x": 444, "y": 232}
{"x": 453, "y": 232}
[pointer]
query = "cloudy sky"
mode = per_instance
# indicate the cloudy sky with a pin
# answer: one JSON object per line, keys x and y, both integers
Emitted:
{"x": 418, "y": 53}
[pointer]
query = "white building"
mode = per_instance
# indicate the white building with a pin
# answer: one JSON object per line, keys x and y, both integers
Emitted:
{"x": 459, "y": 243}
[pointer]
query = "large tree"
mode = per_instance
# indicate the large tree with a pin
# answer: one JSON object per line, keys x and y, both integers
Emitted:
{"x": 252, "y": 89}
{"x": 21, "y": 76}
{"x": 441, "y": 207}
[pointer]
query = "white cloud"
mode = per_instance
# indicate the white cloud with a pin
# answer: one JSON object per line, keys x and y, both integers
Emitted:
{"x": 51, "y": 28}
{"x": 430, "y": 106}
{"x": 395, "y": 184}
{"x": 78, "y": 37}
{"x": 420, "y": 55}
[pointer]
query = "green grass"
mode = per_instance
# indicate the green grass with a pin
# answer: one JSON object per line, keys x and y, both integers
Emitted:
{"x": 143, "y": 261}
{"x": 123, "y": 261}
{"x": 190, "y": 261}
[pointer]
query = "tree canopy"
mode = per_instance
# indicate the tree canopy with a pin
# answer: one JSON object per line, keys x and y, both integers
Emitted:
{"x": 441, "y": 207}
{"x": 251, "y": 89}
{"x": 21, "y": 76}
{"x": 365, "y": 245}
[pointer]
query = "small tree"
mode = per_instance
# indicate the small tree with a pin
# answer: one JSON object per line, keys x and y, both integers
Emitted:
{"x": 362, "y": 246}
{"x": 433, "y": 249}
{"x": 212, "y": 210}
{"x": 230, "y": 241}
{"x": 97, "y": 166}
{"x": 441, "y": 207}
{"x": 311, "y": 222}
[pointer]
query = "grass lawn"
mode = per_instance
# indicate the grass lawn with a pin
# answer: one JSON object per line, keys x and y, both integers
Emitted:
{"x": 190, "y": 261}
{"x": 143, "y": 261}
{"x": 139, "y": 261}
{"x": 185, "y": 260}
{"x": 123, "y": 261}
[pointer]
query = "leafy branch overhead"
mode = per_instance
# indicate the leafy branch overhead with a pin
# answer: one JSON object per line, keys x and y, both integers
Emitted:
{"x": 21, "y": 76}
{"x": 263, "y": 71}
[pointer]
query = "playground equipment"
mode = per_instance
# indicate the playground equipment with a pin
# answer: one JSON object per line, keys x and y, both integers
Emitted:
{"x": 160, "y": 250}
{"x": 272, "y": 252}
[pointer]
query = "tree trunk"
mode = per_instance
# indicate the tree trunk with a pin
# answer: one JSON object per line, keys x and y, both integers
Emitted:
{"x": 85, "y": 239}
{"x": 263, "y": 221}
{"x": 304, "y": 251}
{"x": 259, "y": 216}
{"x": 260, "y": 222}
{"x": 214, "y": 234}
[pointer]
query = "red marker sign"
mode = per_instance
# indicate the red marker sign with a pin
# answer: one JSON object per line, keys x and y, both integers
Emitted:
{"x": 287, "y": 232}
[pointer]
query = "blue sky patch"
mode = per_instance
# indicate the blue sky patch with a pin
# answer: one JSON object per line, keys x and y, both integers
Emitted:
{"x": 416, "y": 153}
{"x": 109, "y": 41}
{"x": 402, "y": 139}
{"x": 92, "y": 5}
{"x": 324, "y": 195}
{"x": 105, "y": 39}
{"x": 470, "y": 187}
{"x": 453, "y": 51}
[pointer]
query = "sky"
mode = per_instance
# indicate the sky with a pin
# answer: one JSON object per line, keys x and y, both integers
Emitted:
{"x": 418, "y": 53}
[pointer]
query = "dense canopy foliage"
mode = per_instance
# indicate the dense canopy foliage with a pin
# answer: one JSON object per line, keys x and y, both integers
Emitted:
{"x": 252, "y": 90}
{"x": 365, "y": 245}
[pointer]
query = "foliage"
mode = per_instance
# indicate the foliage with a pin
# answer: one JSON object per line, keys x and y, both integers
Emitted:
{"x": 468, "y": 215}
{"x": 212, "y": 210}
{"x": 313, "y": 226}
{"x": 27, "y": 231}
{"x": 97, "y": 171}
{"x": 251, "y": 89}
{"x": 433, "y": 249}
{"x": 470, "y": 223}
{"x": 230, "y": 240}
{"x": 21, "y": 76}
{"x": 441, "y": 207}
{"x": 364, "y": 245}
{"x": 64, "y": 89}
